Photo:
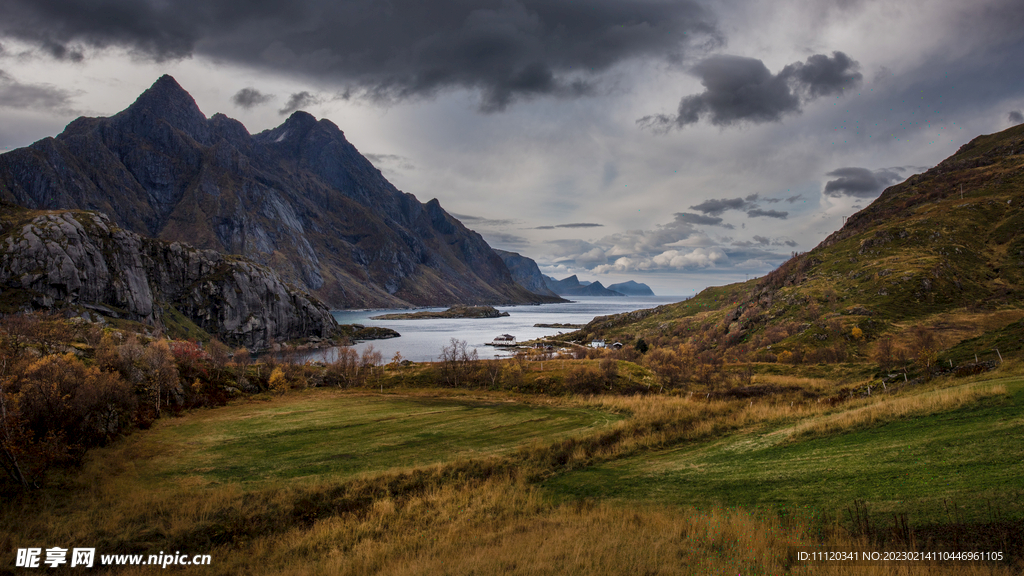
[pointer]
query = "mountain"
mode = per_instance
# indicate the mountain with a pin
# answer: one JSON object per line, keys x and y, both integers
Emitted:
{"x": 631, "y": 288}
{"x": 299, "y": 198}
{"x": 933, "y": 262}
{"x": 526, "y": 273}
{"x": 571, "y": 286}
{"x": 81, "y": 260}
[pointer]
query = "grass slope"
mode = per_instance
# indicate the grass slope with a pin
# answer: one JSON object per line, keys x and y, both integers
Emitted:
{"x": 965, "y": 465}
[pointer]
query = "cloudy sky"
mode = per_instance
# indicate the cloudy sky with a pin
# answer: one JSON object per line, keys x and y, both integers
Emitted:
{"x": 682, "y": 143}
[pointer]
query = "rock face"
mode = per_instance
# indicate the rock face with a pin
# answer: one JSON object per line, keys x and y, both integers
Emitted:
{"x": 299, "y": 198}
{"x": 571, "y": 286}
{"x": 631, "y": 288}
{"x": 525, "y": 272}
{"x": 81, "y": 259}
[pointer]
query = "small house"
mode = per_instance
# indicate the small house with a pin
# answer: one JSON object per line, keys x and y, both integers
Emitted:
{"x": 504, "y": 340}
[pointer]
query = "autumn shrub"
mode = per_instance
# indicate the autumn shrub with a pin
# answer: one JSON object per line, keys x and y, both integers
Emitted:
{"x": 278, "y": 381}
{"x": 584, "y": 380}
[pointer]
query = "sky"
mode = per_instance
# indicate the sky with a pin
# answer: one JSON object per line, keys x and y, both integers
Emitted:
{"x": 680, "y": 143}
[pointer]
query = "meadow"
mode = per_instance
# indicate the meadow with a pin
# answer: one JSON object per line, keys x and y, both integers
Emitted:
{"x": 455, "y": 481}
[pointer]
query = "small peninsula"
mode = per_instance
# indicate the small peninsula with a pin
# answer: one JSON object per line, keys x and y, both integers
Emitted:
{"x": 453, "y": 312}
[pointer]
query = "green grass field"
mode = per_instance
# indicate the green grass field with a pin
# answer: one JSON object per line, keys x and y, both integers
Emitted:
{"x": 329, "y": 434}
{"x": 962, "y": 465}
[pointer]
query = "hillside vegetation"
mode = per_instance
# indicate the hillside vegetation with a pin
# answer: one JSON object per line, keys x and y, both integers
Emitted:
{"x": 909, "y": 278}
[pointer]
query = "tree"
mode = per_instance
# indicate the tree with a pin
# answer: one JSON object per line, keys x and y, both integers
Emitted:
{"x": 162, "y": 378}
{"x": 884, "y": 354}
{"x": 242, "y": 359}
{"x": 13, "y": 437}
{"x": 641, "y": 346}
{"x": 457, "y": 361}
{"x": 219, "y": 355}
{"x": 344, "y": 370}
{"x": 278, "y": 382}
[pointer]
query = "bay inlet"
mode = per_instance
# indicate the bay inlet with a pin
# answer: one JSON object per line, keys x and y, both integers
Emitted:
{"x": 422, "y": 339}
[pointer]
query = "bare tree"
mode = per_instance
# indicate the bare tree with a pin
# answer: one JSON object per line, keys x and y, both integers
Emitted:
{"x": 457, "y": 362}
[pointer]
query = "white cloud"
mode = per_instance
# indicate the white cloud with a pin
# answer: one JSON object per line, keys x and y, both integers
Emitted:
{"x": 667, "y": 260}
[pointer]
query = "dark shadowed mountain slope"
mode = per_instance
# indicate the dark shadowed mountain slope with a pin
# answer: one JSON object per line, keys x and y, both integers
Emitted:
{"x": 525, "y": 272}
{"x": 943, "y": 249}
{"x": 299, "y": 198}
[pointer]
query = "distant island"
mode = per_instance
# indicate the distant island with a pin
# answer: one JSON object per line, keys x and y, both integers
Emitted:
{"x": 453, "y": 312}
{"x": 559, "y": 325}
{"x": 573, "y": 286}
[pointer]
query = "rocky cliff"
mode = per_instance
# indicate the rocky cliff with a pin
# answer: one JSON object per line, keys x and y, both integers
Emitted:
{"x": 299, "y": 198}
{"x": 57, "y": 259}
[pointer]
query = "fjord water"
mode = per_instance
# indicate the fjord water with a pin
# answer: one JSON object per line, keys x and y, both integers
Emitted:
{"x": 422, "y": 340}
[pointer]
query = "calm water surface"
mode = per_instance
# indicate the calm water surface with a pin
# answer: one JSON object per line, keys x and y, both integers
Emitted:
{"x": 422, "y": 340}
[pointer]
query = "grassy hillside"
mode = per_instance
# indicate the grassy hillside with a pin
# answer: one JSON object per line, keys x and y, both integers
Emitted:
{"x": 922, "y": 254}
{"x": 964, "y": 461}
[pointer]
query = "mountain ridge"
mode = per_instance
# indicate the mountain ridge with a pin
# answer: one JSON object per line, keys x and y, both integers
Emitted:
{"x": 298, "y": 198}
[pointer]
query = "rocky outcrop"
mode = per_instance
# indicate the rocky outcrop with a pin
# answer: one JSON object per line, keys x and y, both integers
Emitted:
{"x": 525, "y": 272}
{"x": 299, "y": 198}
{"x": 58, "y": 259}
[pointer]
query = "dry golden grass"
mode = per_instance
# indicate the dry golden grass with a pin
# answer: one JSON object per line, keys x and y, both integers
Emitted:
{"x": 889, "y": 408}
{"x": 506, "y": 527}
{"x": 950, "y": 328}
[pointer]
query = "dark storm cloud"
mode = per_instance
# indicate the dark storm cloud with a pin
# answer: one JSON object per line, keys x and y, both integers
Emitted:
{"x": 61, "y": 52}
{"x": 14, "y": 94}
{"x": 505, "y": 49}
{"x": 1016, "y": 117}
{"x": 299, "y": 101}
{"x": 740, "y": 89}
{"x": 796, "y": 198}
{"x": 573, "y": 225}
{"x": 250, "y": 97}
{"x": 823, "y": 76}
{"x": 762, "y": 240}
{"x": 767, "y": 213}
{"x": 859, "y": 182}
{"x": 689, "y": 218}
{"x": 579, "y": 225}
{"x": 717, "y": 206}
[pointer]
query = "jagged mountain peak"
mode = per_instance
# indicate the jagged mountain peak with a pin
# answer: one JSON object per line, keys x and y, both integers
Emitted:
{"x": 165, "y": 101}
